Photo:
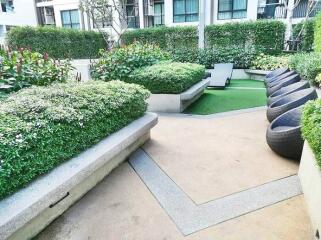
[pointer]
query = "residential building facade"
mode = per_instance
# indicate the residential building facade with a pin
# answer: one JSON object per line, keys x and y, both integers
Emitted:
{"x": 145, "y": 13}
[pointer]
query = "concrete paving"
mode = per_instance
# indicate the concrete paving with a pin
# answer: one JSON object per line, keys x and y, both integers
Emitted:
{"x": 208, "y": 159}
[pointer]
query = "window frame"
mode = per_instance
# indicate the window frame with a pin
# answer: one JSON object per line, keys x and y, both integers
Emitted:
{"x": 232, "y": 11}
{"x": 162, "y": 15}
{"x": 185, "y": 14}
{"x": 71, "y": 23}
{"x": 135, "y": 17}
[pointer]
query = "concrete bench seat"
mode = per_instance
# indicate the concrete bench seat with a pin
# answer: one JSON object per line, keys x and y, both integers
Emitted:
{"x": 25, "y": 213}
{"x": 176, "y": 103}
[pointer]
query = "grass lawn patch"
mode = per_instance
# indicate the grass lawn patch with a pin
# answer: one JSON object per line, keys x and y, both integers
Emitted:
{"x": 216, "y": 100}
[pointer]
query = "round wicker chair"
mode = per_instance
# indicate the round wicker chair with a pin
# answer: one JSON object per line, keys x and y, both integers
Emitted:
{"x": 284, "y": 134}
{"x": 289, "y": 102}
{"x": 272, "y": 81}
{"x": 283, "y": 83}
{"x": 287, "y": 90}
{"x": 276, "y": 72}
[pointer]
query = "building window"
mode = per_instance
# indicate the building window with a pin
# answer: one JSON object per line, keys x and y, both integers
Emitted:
{"x": 186, "y": 10}
{"x": 159, "y": 13}
{"x": 232, "y": 9}
{"x": 7, "y": 6}
{"x": 70, "y": 19}
{"x": 132, "y": 14}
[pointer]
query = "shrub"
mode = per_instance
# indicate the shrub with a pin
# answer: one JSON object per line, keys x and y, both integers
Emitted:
{"x": 317, "y": 33}
{"x": 168, "y": 77}
{"x": 268, "y": 62}
{"x": 308, "y": 65}
{"x": 41, "y": 127}
{"x": 57, "y": 42}
{"x": 264, "y": 34}
{"x": 241, "y": 58}
{"x": 23, "y": 68}
{"x": 307, "y": 34}
{"x": 268, "y": 35}
{"x": 311, "y": 127}
{"x": 165, "y": 37}
{"x": 120, "y": 62}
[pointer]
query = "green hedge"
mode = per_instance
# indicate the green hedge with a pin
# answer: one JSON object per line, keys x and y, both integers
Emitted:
{"x": 168, "y": 77}
{"x": 311, "y": 127}
{"x": 307, "y": 35}
{"x": 265, "y": 34}
{"x": 41, "y": 127}
{"x": 165, "y": 37}
{"x": 57, "y": 42}
{"x": 240, "y": 57}
{"x": 317, "y": 32}
{"x": 120, "y": 62}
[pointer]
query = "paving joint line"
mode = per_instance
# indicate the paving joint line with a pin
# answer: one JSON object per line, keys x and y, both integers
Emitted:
{"x": 190, "y": 217}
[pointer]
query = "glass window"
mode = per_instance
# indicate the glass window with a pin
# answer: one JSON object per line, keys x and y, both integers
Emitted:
{"x": 70, "y": 19}
{"x": 159, "y": 14}
{"x": 7, "y": 6}
{"x": 232, "y": 9}
{"x": 131, "y": 14}
{"x": 186, "y": 10}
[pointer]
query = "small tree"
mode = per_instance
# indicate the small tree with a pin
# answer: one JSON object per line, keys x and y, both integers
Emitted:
{"x": 107, "y": 13}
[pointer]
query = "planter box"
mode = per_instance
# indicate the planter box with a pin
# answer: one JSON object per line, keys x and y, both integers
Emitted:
{"x": 310, "y": 177}
{"x": 176, "y": 103}
{"x": 256, "y": 74}
{"x": 24, "y": 214}
{"x": 82, "y": 68}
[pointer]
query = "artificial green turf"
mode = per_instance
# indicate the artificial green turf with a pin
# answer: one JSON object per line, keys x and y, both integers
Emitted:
{"x": 216, "y": 100}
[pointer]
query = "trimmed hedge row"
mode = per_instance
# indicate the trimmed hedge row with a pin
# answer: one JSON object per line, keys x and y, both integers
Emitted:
{"x": 240, "y": 57}
{"x": 266, "y": 35}
{"x": 165, "y": 37}
{"x": 317, "y": 32}
{"x": 57, "y": 42}
{"x": 307, "y": 35}
{"x": 168, "y": 77}
{"x": 41, "y": 127}
{"x": 311, "y": 127}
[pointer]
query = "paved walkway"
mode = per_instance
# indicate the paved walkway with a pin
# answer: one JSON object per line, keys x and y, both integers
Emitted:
{"x": 197, "y": 178}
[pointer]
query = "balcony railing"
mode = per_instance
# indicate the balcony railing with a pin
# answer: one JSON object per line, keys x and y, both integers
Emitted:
{"x": 277, "y": 10}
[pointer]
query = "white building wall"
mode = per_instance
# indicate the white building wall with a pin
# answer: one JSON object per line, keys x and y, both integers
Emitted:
{"x": 23, "y": 14}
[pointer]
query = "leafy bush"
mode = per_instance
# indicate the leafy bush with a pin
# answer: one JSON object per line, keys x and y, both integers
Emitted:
{"x": 311, "y": 127}
{"x": 268, "y": 62}
{"x": 41, "y": 127}
{"x": 165, "y": 37}
{"x": 23, "y": 68}
{"x": 120, "y": 62}
{"x": 308, "y": 65}
{"x": 317, "y": 33}
{"x": 57, "y": 42}
{"x": 264, "y": 34}
{"x": 307, "y": 35}
{"x": 241, "y": 58}
{"x": 168, "y": 77}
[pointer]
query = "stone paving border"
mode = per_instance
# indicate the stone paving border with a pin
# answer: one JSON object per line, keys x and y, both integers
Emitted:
{"x": 215, "y": 115}
{"x": 188, "y": 216}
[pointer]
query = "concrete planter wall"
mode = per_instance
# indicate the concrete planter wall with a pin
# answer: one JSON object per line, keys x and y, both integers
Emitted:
{"x": 176, "y": 103}
{"x": 27, "y": 212}
{"x": 82, "y": 68}
{"x": 249, "y": 74}
{"x": 310, "y": 177}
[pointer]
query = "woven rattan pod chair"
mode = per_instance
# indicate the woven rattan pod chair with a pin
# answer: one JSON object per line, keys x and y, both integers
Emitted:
{"x": 287, "y": 90}
{"x": 284, "y": 134}
{"x": 283, "y": 83}
{"x": 276, "y": 72}
{"x": 289, "y": 102}
{"x": 273, "y": 81}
